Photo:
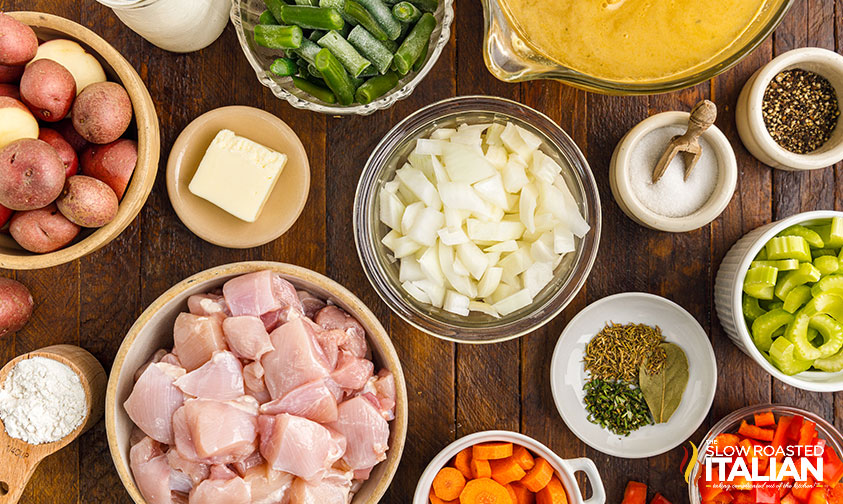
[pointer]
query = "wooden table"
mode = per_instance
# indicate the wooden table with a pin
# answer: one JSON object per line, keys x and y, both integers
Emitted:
{"x": 454, "y": 390}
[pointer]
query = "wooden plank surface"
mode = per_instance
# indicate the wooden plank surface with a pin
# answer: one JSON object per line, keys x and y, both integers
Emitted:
{"x": 454, "y": 390}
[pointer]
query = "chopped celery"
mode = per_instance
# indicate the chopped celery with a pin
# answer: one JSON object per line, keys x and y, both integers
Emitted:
{"x": 832, "y": 333}
{"x": 825, "y": 303}
{"x": 827, "y": 264}
{"x": 831, "y": 364}
{"x": 764, "y": 326}
{"x": 830, "y": 283}
{"x": 797, "y": 333}
{"x": 805, "y": 274}
{"x": 751, "y": 308}
{"x": 783, "y": 265}
{"x": 797, "y": 297}
{"x": 832, "y": 234}
{"x": 782, "y": 355}
{"x": 820, "y": 252}
{"x": 789, "y": 247}
{"x": 760, "y": 281}
{"x": 812, "y": 237}
{"x": 761, "y": 255}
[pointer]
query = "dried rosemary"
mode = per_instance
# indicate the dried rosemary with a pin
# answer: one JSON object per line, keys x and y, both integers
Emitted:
{"x": 617, "y": 352}
{"x": 617, "y": 406}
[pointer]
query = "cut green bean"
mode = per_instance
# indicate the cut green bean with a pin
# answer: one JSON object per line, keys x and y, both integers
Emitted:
{"x": 376, "y": 87}
{"x": 426, "y": 5}
{"x": 413, "y": 46}
{"x": 369, "y": 72}
{"x": 267, "y": 18}
{"x": 316, "y": 35}
{"x": 406, "y": 12}
{"x": 345, "y": 52}
{"x": 420, "y": 62}
{"x": 316, "y": 18}
{"x": 308, "y": 50}
{"x": 339, "y": 5}
{"x": 372, "y": 48}
{"x": 335, "y": 76}
{"x": 275, "y": 7}
{"x": 284, "y": 67}
{"x": 279, "y": 37}
{"x": 359, "y": 13}
{"x": 383, "y": 15}
{"x": 314, "y": 90}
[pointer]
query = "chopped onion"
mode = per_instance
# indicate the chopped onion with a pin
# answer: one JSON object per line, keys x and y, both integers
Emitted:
{"x": 456, "y": 303}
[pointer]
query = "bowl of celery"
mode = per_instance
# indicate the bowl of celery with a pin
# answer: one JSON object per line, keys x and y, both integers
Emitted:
{"x": 779, "y": 296}
{"x": 342, "y": 57}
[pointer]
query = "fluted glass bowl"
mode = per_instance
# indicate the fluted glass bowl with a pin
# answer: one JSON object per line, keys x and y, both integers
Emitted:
{"x": 244, "y": 16}
{"x": 510, "y": 57}
{"x": 382, "y": 269}
{"x": 731, "y": 423}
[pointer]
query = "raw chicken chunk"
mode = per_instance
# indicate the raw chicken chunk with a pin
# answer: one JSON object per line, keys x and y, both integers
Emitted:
{"x": 352, "y": 373}
{"x": 365, "y": 430}
{"x": 268, "y": 485}
{"x": 296, "y": 360}
{"x": 253, "y": 460}
{"x": 195, "y": 471}
{"x": 156, "y": 357}
{"x": 196, "y": 338}
{"x": 333, "y": 489}
{"x": 299, "y": 446}
{"x": 208, "y": 305}
{"x": 315, "y": 401}
{"x": 230, "y": 491}
{"x": 310, "y": 303}
{"x": 246, "y": 336}
{"x": 151, "y": 471}
{"x": 262, "y": 293}
{"x": 214, "y": 431}
{"x": 380, "y": 390}
{"x": 220, "y": 378}
{"x": 253, "y": 376}
{"x": 154, "y": 400}
{"x": 334, "y": 318}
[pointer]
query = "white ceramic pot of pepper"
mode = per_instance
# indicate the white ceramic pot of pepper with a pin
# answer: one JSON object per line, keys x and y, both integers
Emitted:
{"x": 750, "y": 119}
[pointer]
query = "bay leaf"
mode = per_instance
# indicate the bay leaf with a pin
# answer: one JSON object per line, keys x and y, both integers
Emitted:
{"x": 663, "y": 392}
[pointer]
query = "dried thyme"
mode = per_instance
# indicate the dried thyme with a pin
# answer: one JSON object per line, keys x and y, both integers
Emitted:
{"x": 617, "y": 406}
{"x": 617, "y": 352}
{"x": 800, "y": 110}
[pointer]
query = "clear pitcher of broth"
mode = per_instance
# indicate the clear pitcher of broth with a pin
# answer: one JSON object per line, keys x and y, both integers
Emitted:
{"x": 624, "y": 46}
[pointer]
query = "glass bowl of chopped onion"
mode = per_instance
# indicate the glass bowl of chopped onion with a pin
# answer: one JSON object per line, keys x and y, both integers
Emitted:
{"x": 477, "y": 219}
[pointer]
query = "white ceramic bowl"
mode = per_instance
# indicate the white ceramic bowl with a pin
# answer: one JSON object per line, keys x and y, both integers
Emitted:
{"x": 567, "y": 373}
{"x": 565, "y": 468}
{"x": 750, "y": 122}
{"x": 637, "y": 211}
{"x": 728, "y": 289}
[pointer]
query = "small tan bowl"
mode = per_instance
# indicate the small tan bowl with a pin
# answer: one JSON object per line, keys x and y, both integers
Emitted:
{"x": 19, "y": 459}
{"x": 637, "y": 211}
{"x": 212, "y": 223}
{"x": 154, "y": 330}
{"x": 144, "y": 129}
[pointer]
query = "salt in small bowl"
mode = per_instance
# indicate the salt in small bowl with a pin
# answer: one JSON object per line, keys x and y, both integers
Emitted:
{"x": 632, "y": 206}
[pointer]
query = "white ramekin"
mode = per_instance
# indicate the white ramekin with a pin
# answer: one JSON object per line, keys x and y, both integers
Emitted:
{"x": 565, "y": 469}
{"x": 632, "y": 206}
{"x": 750, "y": 121}
{"x": 728, "y": 290}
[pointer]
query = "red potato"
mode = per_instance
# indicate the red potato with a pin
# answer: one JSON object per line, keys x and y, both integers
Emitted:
{"x": 18, "y": 43}
{"x": 87, "y": 202}
{"x": 102, "y": 112}
{"x": 10, "y": 90}
{"x": 43, "y": 230}
{"x": 86, "y": 69}
{"x": 16, "y": 305}
{"x": 9, "y": 73}
{"x": 16, "y": 121}
{"x": 5, "y": 215}
{"x": 69, "y": 133}
{"x": 48, "y": 89}
{"x": 63, "y": 148}
{"x": 113, "y": 163}
{"x": 31, "y": 174}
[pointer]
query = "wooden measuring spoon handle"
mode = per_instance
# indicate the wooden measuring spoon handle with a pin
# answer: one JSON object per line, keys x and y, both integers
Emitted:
{"x": 16, "y": 467}
{"x": 703, "y": 116}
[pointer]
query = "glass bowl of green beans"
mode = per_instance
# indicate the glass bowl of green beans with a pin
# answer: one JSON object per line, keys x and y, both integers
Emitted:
{"x": 342, "y": 57}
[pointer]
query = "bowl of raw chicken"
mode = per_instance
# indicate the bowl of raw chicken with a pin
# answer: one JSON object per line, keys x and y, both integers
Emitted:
{"x": 256, "y": 382}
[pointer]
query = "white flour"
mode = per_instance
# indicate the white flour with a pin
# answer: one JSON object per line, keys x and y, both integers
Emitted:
{"x": 42, "y": 400}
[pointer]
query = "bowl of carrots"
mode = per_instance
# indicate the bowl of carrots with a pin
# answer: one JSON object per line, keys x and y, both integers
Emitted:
{"x": 502, "y": 467}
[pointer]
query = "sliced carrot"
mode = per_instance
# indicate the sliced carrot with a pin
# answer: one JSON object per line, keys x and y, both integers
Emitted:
{"x": 765, "y": 419}
{"x": 463, "y": 463}
{"x": 448, "y": 483}
{"x": 507, "y": 470}
{"x": 491, "y": 451}
{"x": 523, "y": 457}
{"x": 485, "y": 491}
{"x": 539, "y": 476}
{"x": 523, "y": 496}
{"x": 635, "y": 493}
{"x": 436, "y": 500}
{"x": 552, "y": 493}
{"x": 512, "y": 494}
{"x": 480, "y": 469}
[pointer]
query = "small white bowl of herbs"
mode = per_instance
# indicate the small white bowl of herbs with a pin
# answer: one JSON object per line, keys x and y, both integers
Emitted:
{"x": 633, "y": 375}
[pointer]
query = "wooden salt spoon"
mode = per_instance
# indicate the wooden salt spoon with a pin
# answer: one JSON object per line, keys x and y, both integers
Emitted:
{"x": 702, "y": 117}
{"x": 19, "y": 459}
